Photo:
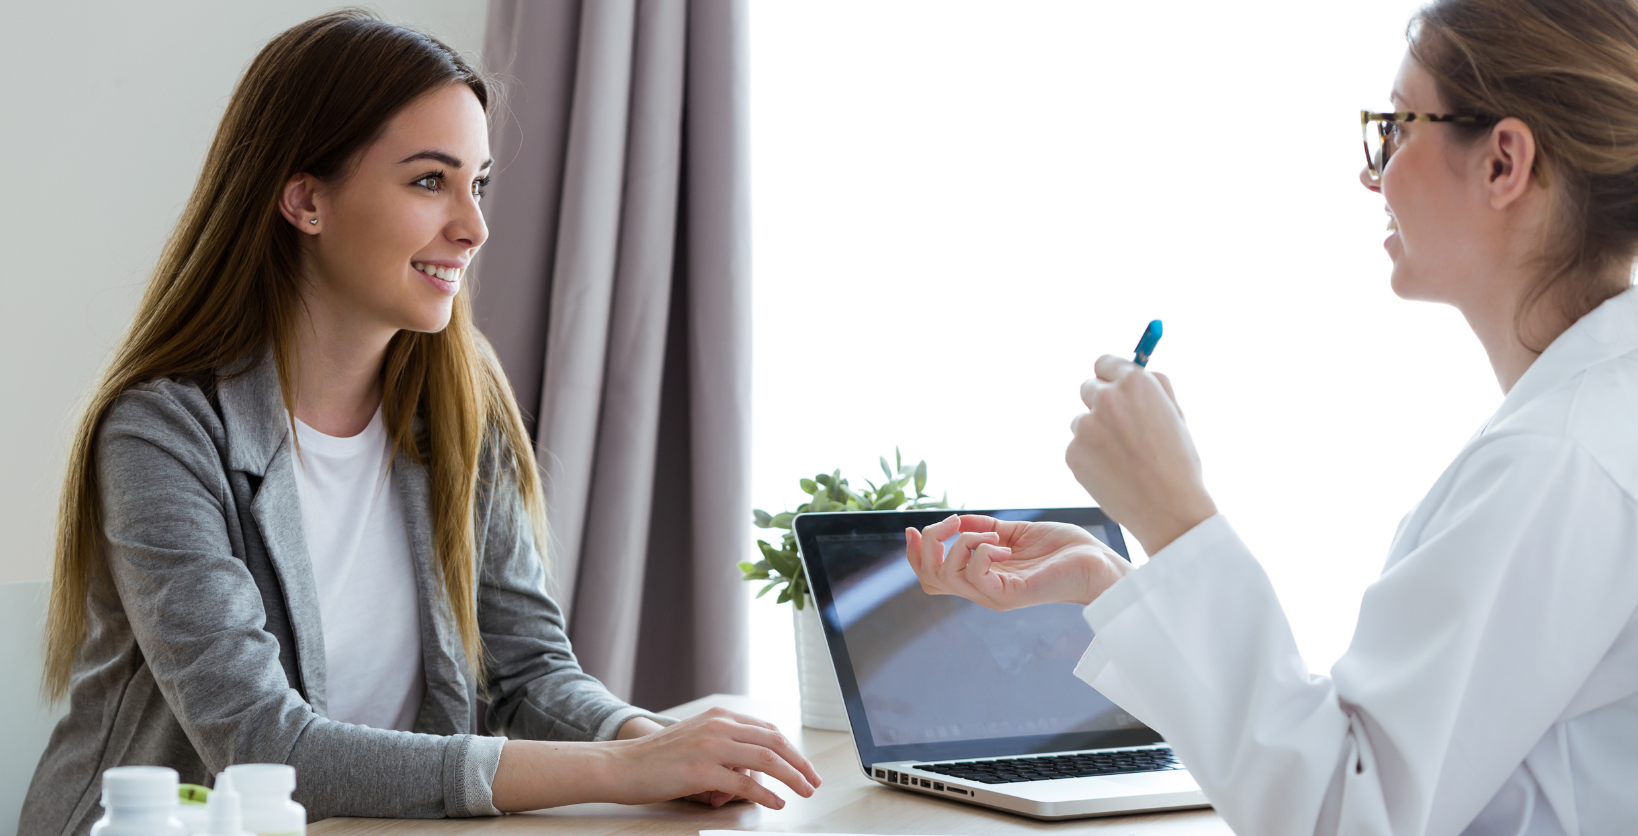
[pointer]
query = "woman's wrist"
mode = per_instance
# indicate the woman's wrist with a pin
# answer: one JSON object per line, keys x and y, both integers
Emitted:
{"x": 638, "y": 726}
{"x": 535, "y": 774}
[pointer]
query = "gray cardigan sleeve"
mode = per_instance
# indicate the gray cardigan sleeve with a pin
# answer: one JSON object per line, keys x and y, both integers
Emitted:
{"x": 537, "y": 690}
{"x": 198, "y": 620}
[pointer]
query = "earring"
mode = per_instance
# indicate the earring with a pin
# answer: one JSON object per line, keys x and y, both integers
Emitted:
{"x": 313, "y": 221}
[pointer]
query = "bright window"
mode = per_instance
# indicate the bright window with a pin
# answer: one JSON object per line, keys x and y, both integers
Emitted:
{"x": 959, "y": 205}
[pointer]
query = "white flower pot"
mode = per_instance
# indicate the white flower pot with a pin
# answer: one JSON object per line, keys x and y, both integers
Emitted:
{"x": 821, "y": 696}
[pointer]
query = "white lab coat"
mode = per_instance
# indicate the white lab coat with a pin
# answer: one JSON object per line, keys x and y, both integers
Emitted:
{"x": 1492, "y": 683}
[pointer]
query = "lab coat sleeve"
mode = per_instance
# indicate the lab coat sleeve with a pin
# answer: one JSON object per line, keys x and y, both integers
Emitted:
{"x": 1467, "y": 650}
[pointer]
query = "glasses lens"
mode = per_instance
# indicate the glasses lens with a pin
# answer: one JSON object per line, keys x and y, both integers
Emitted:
{"x": 1379, "y": 137}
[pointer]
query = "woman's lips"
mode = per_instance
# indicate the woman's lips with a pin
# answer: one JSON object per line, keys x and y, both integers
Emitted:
{"x": 446, "y": 279}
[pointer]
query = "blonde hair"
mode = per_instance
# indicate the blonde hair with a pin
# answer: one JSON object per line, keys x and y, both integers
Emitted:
{"x": 225, "y": 291}
{"x": 1569, "y": 70}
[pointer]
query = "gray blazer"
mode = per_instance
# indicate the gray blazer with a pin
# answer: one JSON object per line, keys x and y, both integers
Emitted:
{"x": 207, "y": 650}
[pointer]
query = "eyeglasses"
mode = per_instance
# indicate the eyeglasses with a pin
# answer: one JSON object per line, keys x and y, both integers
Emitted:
{"x": 1382, "y": 142}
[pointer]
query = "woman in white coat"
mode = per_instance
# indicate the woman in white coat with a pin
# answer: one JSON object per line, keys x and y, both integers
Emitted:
{"x": 1492, "y": 683}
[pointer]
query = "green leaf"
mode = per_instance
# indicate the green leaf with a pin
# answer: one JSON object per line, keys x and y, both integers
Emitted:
{"x": 754, "y": 571}
{"x": 898, "y": 458}
{"x": 782, "y": 520}
{"x": 770, "y": 586}
{"x": 808, "y": 486}
{"x": 790, "y": 542}
{"x": 886, "y": 503}
{"x": 921, "y": 477}
{"x": 776, "y": 559}
{"x": 885, "y": 468}
{"x": 785, "y": 562}
{"x": 760, "y": 517}
{"x": 823, "y": 479}
{"x": 784, "y": 595}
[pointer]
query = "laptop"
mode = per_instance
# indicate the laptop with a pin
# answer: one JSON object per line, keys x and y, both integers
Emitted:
{"x": 949, "y": 699}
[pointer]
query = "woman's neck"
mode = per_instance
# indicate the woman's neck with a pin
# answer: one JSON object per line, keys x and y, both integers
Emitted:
{"x": 1513, "y": 342}
{"x": 1509, "y": 357}
{"x": 338, "y": 369}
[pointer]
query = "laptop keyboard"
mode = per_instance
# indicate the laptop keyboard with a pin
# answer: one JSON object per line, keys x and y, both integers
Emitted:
{"x": 1015, "y": 770}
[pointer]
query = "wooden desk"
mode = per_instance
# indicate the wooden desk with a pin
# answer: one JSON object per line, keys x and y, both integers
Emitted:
{"x": 847, "y": 802}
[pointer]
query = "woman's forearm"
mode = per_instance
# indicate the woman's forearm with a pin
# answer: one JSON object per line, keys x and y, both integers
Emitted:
{"x": 535, "y": 774}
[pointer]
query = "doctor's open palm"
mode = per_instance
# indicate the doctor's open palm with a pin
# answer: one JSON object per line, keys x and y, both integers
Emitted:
{"x": 1006, "y": 564}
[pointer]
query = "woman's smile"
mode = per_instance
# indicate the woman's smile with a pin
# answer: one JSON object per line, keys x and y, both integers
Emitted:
{"x": 445, "y": 277}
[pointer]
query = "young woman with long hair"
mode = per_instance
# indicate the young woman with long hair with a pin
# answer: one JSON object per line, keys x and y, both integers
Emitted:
{"x": 301, "y": 520}
{"x": 1492, "y": 683}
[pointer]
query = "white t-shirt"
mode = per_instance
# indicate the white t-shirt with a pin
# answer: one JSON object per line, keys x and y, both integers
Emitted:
{"x": 353, "y": 519}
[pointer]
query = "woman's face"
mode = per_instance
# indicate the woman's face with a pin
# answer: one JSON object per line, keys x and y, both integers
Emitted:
{"x": 1438, "y": 229}
{"x": 395, "y": 235}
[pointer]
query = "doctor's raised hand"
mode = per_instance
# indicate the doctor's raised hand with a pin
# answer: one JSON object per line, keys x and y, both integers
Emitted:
{"x": 1132, "y": 452}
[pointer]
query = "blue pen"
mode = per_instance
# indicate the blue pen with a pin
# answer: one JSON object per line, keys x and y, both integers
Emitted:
{"x": 1146, "y": 346}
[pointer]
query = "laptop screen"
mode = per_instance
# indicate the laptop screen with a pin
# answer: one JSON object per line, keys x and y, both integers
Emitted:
{"x": 938, "y": 677}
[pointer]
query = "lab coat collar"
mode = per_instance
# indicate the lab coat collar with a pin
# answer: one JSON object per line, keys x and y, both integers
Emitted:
{"x": 1609, "y": 331}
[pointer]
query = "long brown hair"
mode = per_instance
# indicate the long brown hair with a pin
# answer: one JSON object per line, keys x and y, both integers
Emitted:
{"x": 226, "y": 289}
{"x": 1569, "y": 70}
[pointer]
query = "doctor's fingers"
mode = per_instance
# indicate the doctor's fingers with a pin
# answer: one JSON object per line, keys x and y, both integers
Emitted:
{"x": 1166, "y": 384}
{"x": 1115, "y": 369}
{"x": 961, "y": 551}
{"x": 984, "y": 585}
{"x": 926, "y": 554}
{"x": 930, "y": 547}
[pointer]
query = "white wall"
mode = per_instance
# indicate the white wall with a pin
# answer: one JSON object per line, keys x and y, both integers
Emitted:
{"x": 106, "y": 111}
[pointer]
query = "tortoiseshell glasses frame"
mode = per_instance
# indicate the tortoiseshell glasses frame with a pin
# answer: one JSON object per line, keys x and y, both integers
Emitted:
{"x": 1377, "y": 154}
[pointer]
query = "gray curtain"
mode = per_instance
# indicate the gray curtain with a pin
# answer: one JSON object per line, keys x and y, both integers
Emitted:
{"x": 616, "y": 289}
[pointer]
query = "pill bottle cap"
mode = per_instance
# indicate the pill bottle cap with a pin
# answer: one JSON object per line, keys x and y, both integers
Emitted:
{"x": 139, "y": 787}
{"x": 222, "y": 809}
{"x": 263, "y": 778}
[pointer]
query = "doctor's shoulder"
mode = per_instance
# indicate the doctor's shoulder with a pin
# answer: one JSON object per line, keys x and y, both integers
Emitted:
{"x": 1581, "y": 431}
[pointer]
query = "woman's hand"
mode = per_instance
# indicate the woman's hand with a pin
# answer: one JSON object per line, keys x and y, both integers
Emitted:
{"x": 639, "y": 726}
{"x": 1005, "y": 564}
{"x": 710, "y": 758}
{"x": 1133, "y": 454}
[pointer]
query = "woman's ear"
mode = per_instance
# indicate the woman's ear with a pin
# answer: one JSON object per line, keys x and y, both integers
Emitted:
{"x": 1510, "y": 162}
{"x": 299, "y": 203}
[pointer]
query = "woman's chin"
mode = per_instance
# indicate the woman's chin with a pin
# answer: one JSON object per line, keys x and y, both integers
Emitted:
{"x": 430, "y": 321}
{"x": 1406, "y": 286}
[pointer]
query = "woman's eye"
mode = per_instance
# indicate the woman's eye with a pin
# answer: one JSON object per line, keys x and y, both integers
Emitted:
{"x": 479, "y": 186}
{"x": 429, "y": 182}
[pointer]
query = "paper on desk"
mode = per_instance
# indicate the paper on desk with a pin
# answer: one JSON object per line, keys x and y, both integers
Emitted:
{"x": 745, "y": 832}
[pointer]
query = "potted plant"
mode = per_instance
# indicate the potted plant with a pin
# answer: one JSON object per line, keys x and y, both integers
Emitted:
{"x": 781, "y": 568}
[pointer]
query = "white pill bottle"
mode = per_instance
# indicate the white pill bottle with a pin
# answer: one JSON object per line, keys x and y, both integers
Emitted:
{"x": 139, "y": 801}
{"x": 264, "y": 799}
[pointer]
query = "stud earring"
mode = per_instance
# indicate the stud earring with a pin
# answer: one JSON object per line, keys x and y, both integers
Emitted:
{"x": 313, "y": 221}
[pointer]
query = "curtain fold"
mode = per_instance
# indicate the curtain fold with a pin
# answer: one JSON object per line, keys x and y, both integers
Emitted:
{"x": 615, "y": 288}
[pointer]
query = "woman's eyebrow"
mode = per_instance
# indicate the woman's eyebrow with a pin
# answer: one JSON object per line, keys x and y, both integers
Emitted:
{"x": 446, "y": 159}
